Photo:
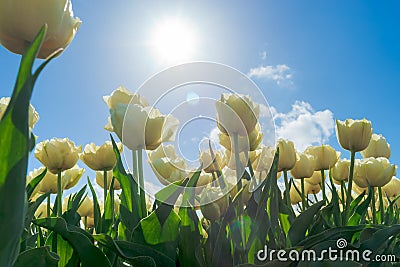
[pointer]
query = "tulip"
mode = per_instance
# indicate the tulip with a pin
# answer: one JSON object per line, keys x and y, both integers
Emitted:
{"x": 392, "y": 189}
{"x": 375, "y": 171}
{"x": 325, "y": 156}
{"x": 237, "y": 114}
{"x": 121, "y": 95}
{"x": 264, "y": 161}
{"x": 287, "y": 155}
{"x": 21, "y": 20}
{"x": 33, "y": 116}
{"x": 86, "y": 209}
{"x": 213, "y": 203}
{"x": 304, "y": 167}
{"x": 340, "y": 172}
{"x": 69, "y": 179}
{"x": 57, "y": 154}
{"x": 378, "y": 147}
{"x": 32, "y": 175}
{"x": 144, "y": 127}
{"x": 311, "y": 188}
{"x": 169, "y": 171}
{"x": 163, "y": 151}
{"x": 245, "y": 143}
{"x": 212, "y": 164}
{"x": 203, "y": 181}
{"x": 100, "y": 180}
{"x": 231, "y": 180}
{"x": 354, "y": 135}
{"x": 100, "y": 158}
{"x": 295, "y": 196}
{"x": 315, "y": 179}
{"x": 230, "y": 158}
{"x": 42, "y": 211}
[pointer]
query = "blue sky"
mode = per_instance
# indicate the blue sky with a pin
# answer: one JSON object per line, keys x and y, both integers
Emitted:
{"x": 314, "y": 62}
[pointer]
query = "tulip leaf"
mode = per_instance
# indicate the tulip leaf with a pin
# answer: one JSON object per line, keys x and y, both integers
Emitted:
{"x": 360, "y": 211}
{"x": 297, "y": 231}
{"x": 379, "y": 239}
{"x": 34, "y": 183}
{"x": 37, "y": 257}
{"x": 14, "y": 143}
{"x": 136, "y": 253}
{"x": 80, "y": 240}
{"x": 97, "y": 212}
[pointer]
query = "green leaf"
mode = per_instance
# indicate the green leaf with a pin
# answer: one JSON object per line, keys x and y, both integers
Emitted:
{"x": 379, "y": 239}
{"x": 14, "y": 143}
{"x": 360, "y": 211}
{"x": 97, "y": 212}
{"x": 80, "y": 240}
{"x": 133, "y": 251}
{"x": 37, "y": 257}
{"x": 33, "y": 183}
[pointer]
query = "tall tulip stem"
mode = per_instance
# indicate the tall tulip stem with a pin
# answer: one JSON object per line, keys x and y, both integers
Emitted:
{"x": 342, "y": 188}
{"x": 48, "y": 206}
{"x": 373, "y": 205}
{"x": 136, "y": 176}
{"x": 287, "y": 189}
{"x": 323, "y": 184}
{"x": 303, "y": 199}
{"x": 59, "y": 194}
{"x": 381, "y": 210}
{"x": 141, "y": 183}
{"x": 105, "y": 183}
{"x": 349, "y": 186}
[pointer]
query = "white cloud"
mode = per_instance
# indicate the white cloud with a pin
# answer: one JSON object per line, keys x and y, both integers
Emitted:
{"x": 281, "y": 74}
{"x": 263, "y": 55}
{"x": 303, "y": 125}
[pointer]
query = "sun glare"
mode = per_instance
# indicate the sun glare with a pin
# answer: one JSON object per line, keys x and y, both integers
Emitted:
{"x": 174, "y": 40}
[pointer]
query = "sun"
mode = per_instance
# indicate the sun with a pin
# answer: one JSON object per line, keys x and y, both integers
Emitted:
{"x": 174, "y": 40}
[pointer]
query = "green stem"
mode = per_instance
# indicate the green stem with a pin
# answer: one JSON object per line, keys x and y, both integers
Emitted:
{"x": 141, "y": 184}
{"x": 342, "y": 191}
{"x": 136, "y": 176}
{"x": 287, "y": 193}
{"x": 48, "y": 206}
{"x": 59, "y": 194}
{"x": 323, "y": 184}
{"x": 85, "y": 222}
{"x": 381, "y": 209}
{"x": 303, "y": 199}
{"x": 112, "y": 202}
{"x": 105, "y": 185}
{"x": 349, "y": 187}
{"x": 373, "y": 206}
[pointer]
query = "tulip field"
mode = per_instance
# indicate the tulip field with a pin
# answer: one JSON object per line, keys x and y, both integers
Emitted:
{"x": 247, "y": 204}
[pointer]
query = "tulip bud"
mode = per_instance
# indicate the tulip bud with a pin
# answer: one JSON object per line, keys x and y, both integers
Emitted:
{"x": 100, "y": 180}
{"x": 264, "y": 161}
{"x": 375, "y": 171}
{"x": 237, "y": 114}
{"x": 340, "y": 172}
{"x": 378, "y": 147}
{"x": 211, "y": 164}
{"x": 163, "y": 151}
{"x": 295, "y": 196}
{"x": 231, "y": 180}
{"x": 315, "y": 179}
{"x": 41, "y": 211}
{"x": 33, "y": 116}
{"x": 72, "y": 176}
{"x": 231, "y": 160}
{"x": 86, "y": 209}
{"x": 287, "y": 155}
{"x": 325, "y": 156}
{"x": 392, "y": 189}
{"x": 100, "y": 158}
{"x": 354, "y": 135}
{"x": 20, "y": 21}
{"x": 214, "y": 203}
{"x": 203, "y": 181}
{"x": 32, "y": 175}
{"x": 304, "y": 167}
{"x": 57, "y": 154}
